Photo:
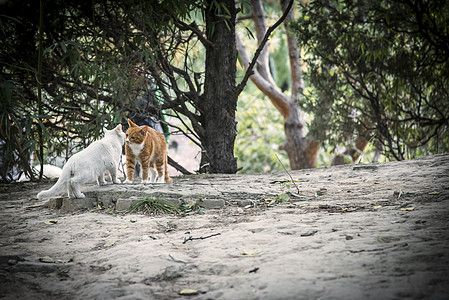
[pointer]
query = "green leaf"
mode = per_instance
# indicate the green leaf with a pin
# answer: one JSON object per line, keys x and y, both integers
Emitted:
{"x": 249, "y": 33}
{"x": 63, "y": 47}
{"x": 283, "y": 198}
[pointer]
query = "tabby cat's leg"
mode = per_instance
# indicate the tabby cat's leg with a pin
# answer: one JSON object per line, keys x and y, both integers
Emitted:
{"x": 145, "y": 164}
{"x": 130, "y": 165}
{"x": 160, "y": 173}
{"x": 153, "y": 174}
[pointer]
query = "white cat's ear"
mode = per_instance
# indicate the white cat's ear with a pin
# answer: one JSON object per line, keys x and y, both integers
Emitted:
{"x": 118, "y": 128}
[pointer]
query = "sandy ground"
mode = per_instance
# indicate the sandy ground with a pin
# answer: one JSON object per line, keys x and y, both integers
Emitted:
{"x": 353, "y": 232}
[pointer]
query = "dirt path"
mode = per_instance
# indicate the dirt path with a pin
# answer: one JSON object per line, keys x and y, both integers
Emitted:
{"x": 352, "y": 232}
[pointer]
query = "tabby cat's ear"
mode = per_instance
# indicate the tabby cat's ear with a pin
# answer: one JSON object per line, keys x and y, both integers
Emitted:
{"x": 131, "y": 124}
{"x": 143, "y": 132}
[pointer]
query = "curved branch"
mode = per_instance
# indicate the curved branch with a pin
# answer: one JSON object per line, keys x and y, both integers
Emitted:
{"x": 249, "y": 70}
{"x": 194, "y": 28}
{"x": 272, "y": 91}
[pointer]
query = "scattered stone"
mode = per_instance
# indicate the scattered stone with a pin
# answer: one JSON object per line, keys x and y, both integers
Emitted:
{"x": 123, "y": 205}
{"x": 12, "y": 262}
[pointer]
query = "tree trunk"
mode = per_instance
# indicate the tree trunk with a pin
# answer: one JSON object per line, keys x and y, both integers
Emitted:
{"x": 217, "y": 107}
{"x": 302, "y": 152}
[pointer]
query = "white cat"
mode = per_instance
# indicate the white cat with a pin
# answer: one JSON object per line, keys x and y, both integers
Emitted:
{"x": 49, "y": 172}
{"x": 89, "y": 165}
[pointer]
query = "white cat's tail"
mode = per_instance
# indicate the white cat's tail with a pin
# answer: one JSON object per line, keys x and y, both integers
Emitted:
{"x": 56, "y": 190}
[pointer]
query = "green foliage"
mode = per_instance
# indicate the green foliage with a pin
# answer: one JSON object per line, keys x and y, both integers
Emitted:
{"x": 378, "y": 69}
{"x": 95, "y": 66}
{"x": 191, "y": 208}
{"x": 15, "y": 143}
{"x": 259, "y": 135}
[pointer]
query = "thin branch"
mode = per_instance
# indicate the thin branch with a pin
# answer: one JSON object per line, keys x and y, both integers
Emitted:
{"x": 177, "y": 166}
{"x": 246, "y": 17}
{"x": 194, "y": 28}
{"x": 190, "y": 238}
{"x": 249, "y": 70}
{"x": 183, "y": 132}
{"x": 275, "y": 95}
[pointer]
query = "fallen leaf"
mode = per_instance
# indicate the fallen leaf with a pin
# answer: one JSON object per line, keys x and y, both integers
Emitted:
{"x": 408, "y": 208}
{"x": 434, "y": 193}
{"x": 377, "y": 206}
{"x": 133, "y": 220}
{"x": 46, "y": 259}
{"x": 188, "y": 292}
{"x": 123, "y": 227}
{"x": 109, "y": 244}
{"x": 376, "y": 182}
{"x": 51, "y": 222}
{"x": 252, "y": 252}
{"x": 99, "y": 207}
{"x": 272, "y": 202}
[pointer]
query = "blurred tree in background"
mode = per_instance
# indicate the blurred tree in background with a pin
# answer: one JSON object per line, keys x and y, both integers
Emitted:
{"x": 301, "y": 150}
{"x": 378, "y": 71}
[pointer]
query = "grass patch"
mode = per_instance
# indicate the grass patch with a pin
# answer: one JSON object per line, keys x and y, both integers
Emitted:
{"x": 154, "y": 206}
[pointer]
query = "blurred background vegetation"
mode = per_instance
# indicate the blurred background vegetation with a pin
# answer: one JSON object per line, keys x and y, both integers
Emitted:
{"x": 376, "y": 70}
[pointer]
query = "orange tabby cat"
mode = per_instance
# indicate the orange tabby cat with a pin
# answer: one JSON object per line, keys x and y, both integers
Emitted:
{"x": 148, "y": 147}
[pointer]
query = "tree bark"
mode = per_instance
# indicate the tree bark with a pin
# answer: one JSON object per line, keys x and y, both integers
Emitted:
{"x": 294, "y": 55}
{"x": 301, "y": 151}
{"x": 217, "y": 107}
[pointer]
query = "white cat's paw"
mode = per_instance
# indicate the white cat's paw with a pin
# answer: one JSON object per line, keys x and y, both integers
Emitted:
{"x": 104, "y": 182}
{"x": 117, "y": 181}
{"x": 127, "y": 182}
{"x": 146, "y": 181}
